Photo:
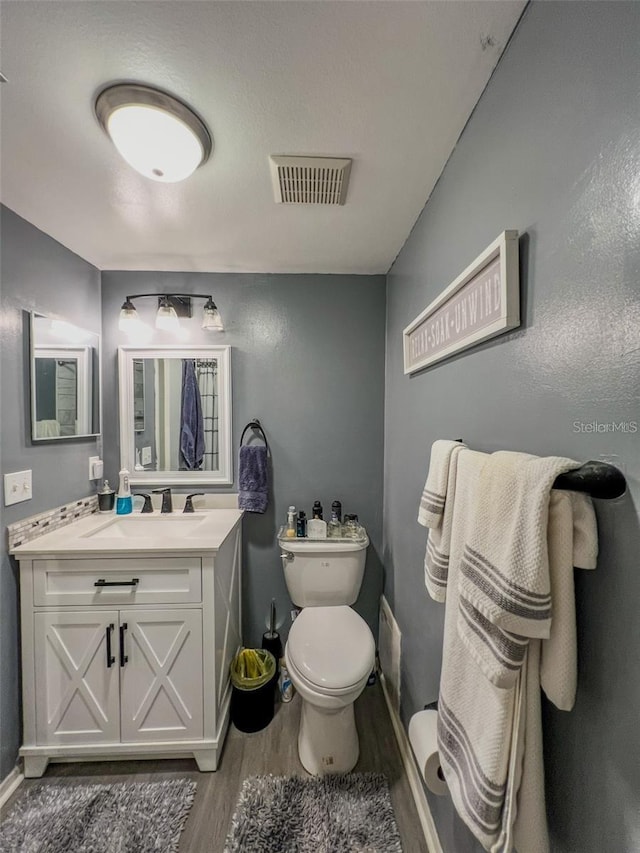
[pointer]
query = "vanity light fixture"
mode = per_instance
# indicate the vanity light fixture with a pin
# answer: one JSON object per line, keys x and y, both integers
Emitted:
{"x": 158, "y": 135}
{"x": 171, "y": 306}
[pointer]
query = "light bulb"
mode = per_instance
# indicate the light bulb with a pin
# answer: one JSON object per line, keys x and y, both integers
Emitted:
{"x": 166, "y": 318}
{"x": 128, "y": 320}
{"x": 155, "y": 143}
{"x": 211, "y": 318}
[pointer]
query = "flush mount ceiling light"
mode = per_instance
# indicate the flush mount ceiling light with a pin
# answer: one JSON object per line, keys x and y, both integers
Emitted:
{"x": 171, "y": 306}
{"x": 156, "y": 134}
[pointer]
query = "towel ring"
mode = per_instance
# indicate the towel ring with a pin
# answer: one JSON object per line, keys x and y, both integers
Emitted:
{"x": 255, "y": 424}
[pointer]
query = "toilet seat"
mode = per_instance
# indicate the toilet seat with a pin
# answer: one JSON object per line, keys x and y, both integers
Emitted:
{"x": 331, "y": 648}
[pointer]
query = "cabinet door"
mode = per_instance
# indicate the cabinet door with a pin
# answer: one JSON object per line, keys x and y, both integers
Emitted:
{"x": 76, "y": 685}
{"x": 161, "y": 680}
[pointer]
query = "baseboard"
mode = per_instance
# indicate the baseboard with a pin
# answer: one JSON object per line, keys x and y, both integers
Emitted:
{"x": 10, "y": 783}
{"x": 419, "y": 796}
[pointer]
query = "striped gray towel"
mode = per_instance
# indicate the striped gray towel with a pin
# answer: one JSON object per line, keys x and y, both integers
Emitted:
{"x": 505, "y": 586}
{"x": 436, "y": 558}
{"x": 435, "y": 489}
{"x": 490, "y": 738}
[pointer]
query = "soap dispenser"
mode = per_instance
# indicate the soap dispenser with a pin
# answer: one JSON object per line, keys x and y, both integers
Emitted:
{"x": 106, "y": 498}
{"x": 124, "y": 501}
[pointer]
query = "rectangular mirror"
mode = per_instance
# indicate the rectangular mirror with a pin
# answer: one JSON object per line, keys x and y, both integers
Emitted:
{"x": 175, "y": 414}
{"x": 65, "y": 380}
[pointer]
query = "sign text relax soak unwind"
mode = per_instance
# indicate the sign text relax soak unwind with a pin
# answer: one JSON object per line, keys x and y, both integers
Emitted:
{"x": 481, "y": 303}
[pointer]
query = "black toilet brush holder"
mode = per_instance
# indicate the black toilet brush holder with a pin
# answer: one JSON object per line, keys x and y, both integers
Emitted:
{"x": 271, "y": 639}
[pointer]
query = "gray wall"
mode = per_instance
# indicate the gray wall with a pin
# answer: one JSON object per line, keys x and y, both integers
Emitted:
{"x": 308, "y": 360}
{"x": 552, "y": 150}
{"x": 37, "y": 274}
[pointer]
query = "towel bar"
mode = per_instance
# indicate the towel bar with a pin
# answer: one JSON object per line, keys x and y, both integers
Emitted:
{"x": 598, "y": 479}
{"x": 255, "y": 424}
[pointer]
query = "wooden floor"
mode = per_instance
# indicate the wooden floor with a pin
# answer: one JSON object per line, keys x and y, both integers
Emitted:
{"x": 274, "y": 750}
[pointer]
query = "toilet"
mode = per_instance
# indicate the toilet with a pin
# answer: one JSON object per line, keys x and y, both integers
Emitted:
{"x": 330, "y": 652}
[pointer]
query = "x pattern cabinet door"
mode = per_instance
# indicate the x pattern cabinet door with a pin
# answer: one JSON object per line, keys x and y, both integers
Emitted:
{"x": 78, "y": 690}
{"x": 161, "y": 681}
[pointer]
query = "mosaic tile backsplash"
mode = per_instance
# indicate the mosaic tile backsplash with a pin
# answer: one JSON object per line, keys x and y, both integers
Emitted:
{"x": 53, "y": 519}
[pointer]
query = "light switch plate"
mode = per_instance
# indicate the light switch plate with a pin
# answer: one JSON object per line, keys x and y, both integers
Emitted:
{"x": 96, "y": 468}
{"x": 146, "y": 456}
{"x": 17, "y": 487}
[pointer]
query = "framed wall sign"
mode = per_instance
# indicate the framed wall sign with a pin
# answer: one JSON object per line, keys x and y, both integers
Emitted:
{"x": 484, "y": 301}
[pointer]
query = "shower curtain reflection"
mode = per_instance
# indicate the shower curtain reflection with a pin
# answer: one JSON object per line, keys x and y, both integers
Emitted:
{"x": 207, "y": 374}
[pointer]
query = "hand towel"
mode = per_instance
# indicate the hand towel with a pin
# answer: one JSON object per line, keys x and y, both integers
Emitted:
{"x": 48, "y": 429}
{"x": 573, "y": 542}
{"x": 490, "y": 738}
{"x": 436, "y": 559}
{"x": 191, "y": 422}
{"x": 505, "y": 592}
{"x": 434, "y": 493}
{"x": 253, "y": 478}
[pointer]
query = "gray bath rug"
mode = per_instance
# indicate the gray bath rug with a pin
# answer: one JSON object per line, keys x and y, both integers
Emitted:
{"x": 123, "y": 818}
{"x": 344, "y": 813}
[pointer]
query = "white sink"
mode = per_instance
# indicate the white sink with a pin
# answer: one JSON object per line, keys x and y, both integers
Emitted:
{"x": 148, "y": 526}
{"x": 202, "y": 531}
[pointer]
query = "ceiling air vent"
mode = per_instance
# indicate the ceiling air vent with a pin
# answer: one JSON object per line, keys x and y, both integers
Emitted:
{"x": 310, "y": 180}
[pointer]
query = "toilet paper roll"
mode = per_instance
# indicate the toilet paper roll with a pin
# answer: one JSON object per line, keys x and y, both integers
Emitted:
{"x": 423, "y": 737}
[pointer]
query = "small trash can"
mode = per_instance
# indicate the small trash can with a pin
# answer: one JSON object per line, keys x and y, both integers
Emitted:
{"x": 253, "y": 673}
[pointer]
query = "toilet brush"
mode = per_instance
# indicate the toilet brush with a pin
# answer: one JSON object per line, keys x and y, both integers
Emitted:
{"x": 271, "y": 639}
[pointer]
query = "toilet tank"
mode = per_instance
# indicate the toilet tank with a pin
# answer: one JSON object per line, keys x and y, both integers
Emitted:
{"x": 323, "y": 572}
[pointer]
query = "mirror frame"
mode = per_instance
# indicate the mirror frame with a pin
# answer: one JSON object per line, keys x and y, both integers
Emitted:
{"x": 224, "y": 475}
{"x": 94, "y": 410}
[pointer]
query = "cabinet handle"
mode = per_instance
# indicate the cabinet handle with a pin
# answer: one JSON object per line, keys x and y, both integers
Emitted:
{"x": 110, "y": 659}
{"x": 103, "y": 582}
{"x": 123, "y": 657}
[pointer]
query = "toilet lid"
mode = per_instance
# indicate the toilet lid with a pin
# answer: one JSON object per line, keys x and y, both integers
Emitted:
{"x": 331, "y": 647}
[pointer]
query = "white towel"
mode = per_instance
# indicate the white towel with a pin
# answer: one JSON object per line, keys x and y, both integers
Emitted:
{"x": 434, "y": 493}
{"x": 443, "y": 461}
{"x": 573, "y": 542}
{"x": 490, "y": 738}
{"x": 47, "y": 429}
{"x": 505, "y": 588}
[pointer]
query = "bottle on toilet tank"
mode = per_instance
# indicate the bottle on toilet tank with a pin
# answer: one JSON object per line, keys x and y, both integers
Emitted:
{"x": 291, "y": 522}
{"x": 316, "y": 528}
{"x": 301, "y": 528}
{"x": 334, "y": 527}
{"x": 317, "y": 510}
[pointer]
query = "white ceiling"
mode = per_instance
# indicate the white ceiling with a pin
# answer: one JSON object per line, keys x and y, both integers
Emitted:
{"x": 390, "y": 84}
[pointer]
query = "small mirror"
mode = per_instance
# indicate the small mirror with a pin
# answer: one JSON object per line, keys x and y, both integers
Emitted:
{"x": 175, "y": 414}
{"x": 65, "y": 389}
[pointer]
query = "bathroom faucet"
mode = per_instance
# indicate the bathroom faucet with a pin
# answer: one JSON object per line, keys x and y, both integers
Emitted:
{"x": 188, "y": 504}
{"x": 167, "y": 504}
{"x": 147, "y": 501}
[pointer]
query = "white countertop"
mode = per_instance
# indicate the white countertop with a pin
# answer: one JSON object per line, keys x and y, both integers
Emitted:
{"x": 112, "y": 535}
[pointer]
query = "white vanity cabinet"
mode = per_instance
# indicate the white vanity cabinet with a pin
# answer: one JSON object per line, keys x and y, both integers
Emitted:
{"x": 127, "y": 654}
